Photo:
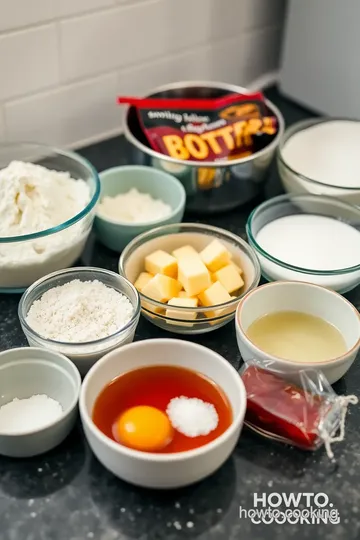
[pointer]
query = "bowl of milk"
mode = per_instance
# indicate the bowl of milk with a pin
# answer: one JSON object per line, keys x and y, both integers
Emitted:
{"x": 320, "y": 156}
{"x": 308, "y": 238}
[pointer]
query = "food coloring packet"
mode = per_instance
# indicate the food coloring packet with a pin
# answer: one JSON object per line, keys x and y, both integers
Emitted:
{"x": 202, "y": 130}
{"x": 306, "y": 413}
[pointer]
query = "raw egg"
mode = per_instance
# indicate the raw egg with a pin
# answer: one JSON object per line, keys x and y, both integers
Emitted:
{"x": 144, "y": 428}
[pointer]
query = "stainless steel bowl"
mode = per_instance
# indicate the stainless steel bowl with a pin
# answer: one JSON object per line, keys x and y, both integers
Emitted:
{"x": 209, "y": 189}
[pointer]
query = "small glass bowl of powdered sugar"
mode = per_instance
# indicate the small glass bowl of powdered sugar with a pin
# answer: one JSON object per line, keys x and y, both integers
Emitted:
{"x": 81, "y": 312}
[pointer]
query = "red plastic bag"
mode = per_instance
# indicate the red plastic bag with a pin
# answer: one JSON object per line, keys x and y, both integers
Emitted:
{"x": 224, "y": 128}
{"x": 306, "y": 415}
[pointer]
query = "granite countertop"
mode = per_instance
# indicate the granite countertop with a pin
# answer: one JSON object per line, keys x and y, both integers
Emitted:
{"x": 67, "y": 495}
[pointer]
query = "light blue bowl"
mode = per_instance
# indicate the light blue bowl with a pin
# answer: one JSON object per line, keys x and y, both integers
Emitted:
{"x": 158, "y": 184}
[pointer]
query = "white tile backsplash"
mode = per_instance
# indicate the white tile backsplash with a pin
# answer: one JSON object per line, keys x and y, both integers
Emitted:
{"x": 15, "y": 13}
{"x": 28, "y": 61}
{"x": 67, "y": 115}
{"x": 63, "y": 62}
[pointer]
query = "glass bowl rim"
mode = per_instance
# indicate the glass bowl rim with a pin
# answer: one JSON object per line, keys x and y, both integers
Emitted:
{"x": 90, "y": 205}
{"x": 301, "y": 126}
{"x": 77, "y": 269}
{"x": 242, "y": 244}
{"x": 281, "y": 198}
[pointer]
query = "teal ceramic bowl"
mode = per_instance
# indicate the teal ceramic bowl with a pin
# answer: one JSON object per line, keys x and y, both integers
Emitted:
{"x": 160, "y": 185}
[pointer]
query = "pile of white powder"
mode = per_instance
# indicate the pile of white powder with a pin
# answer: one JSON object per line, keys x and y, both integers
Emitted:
{"x": 33, "y": 413}
{"x": 79, "y": 312}
{"x": 33, "y": 199}
{"x": 133, "y": 207}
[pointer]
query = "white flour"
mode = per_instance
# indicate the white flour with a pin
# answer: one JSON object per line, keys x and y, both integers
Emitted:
{"x": 326, "y": 152}
{"x": 33, "y": 199}
{"x": 79, "y": 312}
{"x": 35, "y": 412}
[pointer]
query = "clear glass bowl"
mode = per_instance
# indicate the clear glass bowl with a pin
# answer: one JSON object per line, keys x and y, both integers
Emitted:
{"x": 170, "y": 237}
{"x": 273, "y": 269}
{"x": 296, "y": 183}
{"x": 84, "y": 355}
{"x": 22, "y": 258}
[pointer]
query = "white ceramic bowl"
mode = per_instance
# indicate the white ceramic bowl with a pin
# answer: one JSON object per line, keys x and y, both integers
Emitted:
{"x": 28, "y": 371}
{"x": 153, "y": 470}
{"x": 306, "y": 298}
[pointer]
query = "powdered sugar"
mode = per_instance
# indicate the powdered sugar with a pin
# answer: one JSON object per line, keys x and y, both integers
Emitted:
{"x": 79, "y": 312}
{"x": 133, "y": 207}
{"x": 192, "y": 416}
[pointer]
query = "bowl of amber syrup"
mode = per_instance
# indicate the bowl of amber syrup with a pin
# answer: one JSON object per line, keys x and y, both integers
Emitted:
{"x": 162, "y": 413}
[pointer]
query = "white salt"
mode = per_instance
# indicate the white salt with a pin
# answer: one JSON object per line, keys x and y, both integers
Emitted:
{"x": 326, "y": 152}
{"x": 311, "y": 242}
{"x": 35, "y": 412}
{"x": 192, "y": 417}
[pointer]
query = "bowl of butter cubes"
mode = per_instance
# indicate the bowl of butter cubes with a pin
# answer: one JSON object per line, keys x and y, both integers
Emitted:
{"x": 190, "y": 276}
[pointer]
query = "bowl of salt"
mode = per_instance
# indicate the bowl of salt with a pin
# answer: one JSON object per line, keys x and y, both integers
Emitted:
{"x": 39, "y": 392}
{"x": 308, "y": 238}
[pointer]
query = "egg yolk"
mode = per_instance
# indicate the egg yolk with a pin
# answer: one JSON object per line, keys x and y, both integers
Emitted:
{"x": 144, "y": 428}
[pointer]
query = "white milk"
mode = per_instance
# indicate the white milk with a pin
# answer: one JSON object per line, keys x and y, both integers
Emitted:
{"x": 311, "y": 242}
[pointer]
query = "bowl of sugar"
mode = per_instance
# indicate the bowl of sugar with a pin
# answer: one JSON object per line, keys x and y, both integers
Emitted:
{"x": 135, "y": 199}
{"x": 39, "y": 392}
{"x": 162, "y": 413}
{"x": 292, "y": 326}
{"x": 307, "y": 238}
{"x": 320, "y": 156}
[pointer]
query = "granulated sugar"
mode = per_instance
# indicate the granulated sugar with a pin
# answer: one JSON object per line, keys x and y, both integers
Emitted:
{"x": 35, "y": 412}
{"x": 79, "y": 312}
{"x": 192, "y": 416}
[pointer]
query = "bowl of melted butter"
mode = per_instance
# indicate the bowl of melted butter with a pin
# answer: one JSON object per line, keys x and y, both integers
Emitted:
{"x": 292, "y": 326}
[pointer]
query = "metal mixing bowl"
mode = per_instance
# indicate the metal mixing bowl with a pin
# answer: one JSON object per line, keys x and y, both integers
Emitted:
{"x": 209, "y": 188}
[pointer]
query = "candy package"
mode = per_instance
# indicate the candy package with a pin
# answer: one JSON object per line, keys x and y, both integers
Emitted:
{"x": 306, "y": 414}
{"x": 202, "y": 130}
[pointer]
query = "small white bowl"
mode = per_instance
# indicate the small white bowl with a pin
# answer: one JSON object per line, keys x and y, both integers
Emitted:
{"x": 306, "y": 298}
{"x": 28, "y": 371}
{"x": 162, "y": 471}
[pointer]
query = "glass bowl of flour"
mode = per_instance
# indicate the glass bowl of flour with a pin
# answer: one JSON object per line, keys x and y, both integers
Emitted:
{"x": 47, "y": 208}
{"x": 309, "y": 238}
{"x": 320, "y": 156}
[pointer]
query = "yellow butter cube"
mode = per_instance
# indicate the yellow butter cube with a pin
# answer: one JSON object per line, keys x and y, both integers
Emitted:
{"x": 181, "y": 314}
{"x": 230, "y": 278}
{"x": 238, "y": 269}
{"x": 161, "y": 288}
{"x": 185, "y": 252}
{"x": 151, "y": 308}
{"x": 215, "y": 256}
{"x": 214, "y": 295}
{"x": 142, "y": 280}
{"x": 184, "y": 294}
{"x": 161, "y": 262}
{"x": 193, "y": 275}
